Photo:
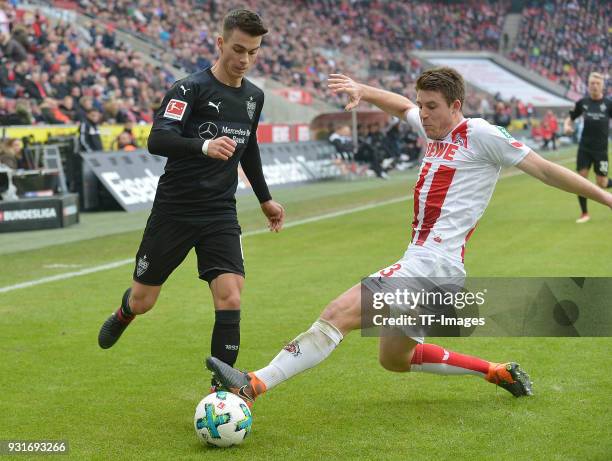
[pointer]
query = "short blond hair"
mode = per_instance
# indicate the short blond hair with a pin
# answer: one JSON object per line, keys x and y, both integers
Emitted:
{"x": 596, "y": 75}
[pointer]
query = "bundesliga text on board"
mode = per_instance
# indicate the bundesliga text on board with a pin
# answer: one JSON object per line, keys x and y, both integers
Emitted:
{"x": 29, "y": 214}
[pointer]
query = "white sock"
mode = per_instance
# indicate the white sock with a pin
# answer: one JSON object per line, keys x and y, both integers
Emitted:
{"x": 304, "y": 352}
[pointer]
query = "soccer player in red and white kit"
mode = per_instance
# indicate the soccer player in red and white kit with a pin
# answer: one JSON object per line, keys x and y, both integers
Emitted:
{"x": 457, "y": 177}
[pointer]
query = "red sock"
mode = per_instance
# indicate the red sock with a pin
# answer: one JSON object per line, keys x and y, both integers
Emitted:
{"x": 123, "y": 318}
{"x": 431, "y": 358}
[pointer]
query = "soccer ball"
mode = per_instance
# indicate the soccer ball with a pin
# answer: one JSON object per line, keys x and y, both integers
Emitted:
{"x": 222, "y": 419}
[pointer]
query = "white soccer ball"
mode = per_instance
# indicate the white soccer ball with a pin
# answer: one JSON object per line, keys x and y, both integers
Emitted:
{"x": 222, "y": 419}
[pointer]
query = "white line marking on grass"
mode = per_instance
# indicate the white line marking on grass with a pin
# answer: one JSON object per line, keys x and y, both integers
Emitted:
{"x": 62, "y": 266}
{"x": 66, "y": 275}
{"x": 299, "y": 222}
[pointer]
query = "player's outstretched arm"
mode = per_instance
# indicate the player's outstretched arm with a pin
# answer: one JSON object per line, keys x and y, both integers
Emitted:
{"x": 560, "y": 177}
{"x": 391, "y": 103}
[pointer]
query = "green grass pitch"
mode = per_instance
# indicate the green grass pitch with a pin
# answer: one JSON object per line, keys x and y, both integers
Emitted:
{"x": 136, "y": 400}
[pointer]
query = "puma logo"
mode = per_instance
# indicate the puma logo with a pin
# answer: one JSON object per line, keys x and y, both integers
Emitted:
{"x": 185, "y": 90}
{"x": 216, "y": 106}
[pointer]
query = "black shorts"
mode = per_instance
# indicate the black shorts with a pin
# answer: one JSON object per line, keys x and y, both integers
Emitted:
{"x": 166, "y": 243}
{"x": 599, "y": 160}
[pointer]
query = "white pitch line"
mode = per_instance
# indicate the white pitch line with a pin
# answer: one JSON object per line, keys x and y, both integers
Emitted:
{"x": 299, "y": 222}
{"x": 66, "y": 275}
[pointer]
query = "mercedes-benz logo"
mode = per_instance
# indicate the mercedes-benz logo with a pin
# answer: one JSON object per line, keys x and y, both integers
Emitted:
{"x": 208, "y": 130}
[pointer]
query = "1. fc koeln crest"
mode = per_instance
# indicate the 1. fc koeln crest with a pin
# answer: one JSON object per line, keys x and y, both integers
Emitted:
{"x": 251, "y": 105}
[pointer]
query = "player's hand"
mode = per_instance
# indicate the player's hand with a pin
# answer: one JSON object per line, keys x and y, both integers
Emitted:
{"x": 568, "y": 129}
{"x": 275, "y": 213}
{"x": 341, "y": 84}
{"x": 221, "y": 148}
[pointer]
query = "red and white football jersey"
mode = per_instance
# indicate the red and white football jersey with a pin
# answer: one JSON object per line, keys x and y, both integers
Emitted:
{"x": 456, "y": 180}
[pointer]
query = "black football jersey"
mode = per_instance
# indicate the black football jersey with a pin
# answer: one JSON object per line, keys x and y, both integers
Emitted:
{"x": 195, "y": 187}
{"x": 596, "y": 116}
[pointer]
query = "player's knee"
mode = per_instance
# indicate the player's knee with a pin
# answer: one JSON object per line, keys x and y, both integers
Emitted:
{"x": 227, "y": 299}
{"x": 141, "y": 303}
{"x": 393, "y": 364}
{"x": 602, "y": 181}
{"x": 343, "y": 314}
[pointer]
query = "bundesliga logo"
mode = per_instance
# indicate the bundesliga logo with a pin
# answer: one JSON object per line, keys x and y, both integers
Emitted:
{"x": 175, "y": 109}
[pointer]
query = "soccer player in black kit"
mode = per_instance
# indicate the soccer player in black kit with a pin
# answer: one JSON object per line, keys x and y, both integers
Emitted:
{"x": 593, "y": 147}
{"x": 205, "y": 126}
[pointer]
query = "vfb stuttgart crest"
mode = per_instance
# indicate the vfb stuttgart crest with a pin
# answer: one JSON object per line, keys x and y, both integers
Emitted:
{"x": 142, "y": 266}
{"x": 251, "y": 106}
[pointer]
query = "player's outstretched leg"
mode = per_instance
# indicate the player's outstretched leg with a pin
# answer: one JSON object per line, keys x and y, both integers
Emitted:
{"x": 305, "y": 351}
{"x": 115, "y": 325}
{"x": 431, "y": 358}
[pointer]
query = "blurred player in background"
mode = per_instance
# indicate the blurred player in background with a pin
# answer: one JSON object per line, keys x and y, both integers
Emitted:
{"x": 596, "y": 111}
{"x": 458, "y": 174}
{"x": 206, "y": 126}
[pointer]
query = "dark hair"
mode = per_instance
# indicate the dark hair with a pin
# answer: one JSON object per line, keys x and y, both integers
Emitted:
{"x": 446, "y": 80}
{"x": 246, "y": 21}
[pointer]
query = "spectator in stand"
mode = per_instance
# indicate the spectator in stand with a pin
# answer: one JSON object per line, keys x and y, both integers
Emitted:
{"x": 11, "y": 48}
{"x": 129, "y": 129}
{"x": 502, "y": 115}
{"x": 21, "y": 115}
{"x": 85, "y": 105}
{"x": 11, "y": 153}
{"x": 485, "y": 108}
{"x": 343, "y": 142}
{"x": 52, "y": 113}
{"x": 124, "y": 142}
{"x": 521, "y": 110}
{"x": 550, "y": 127}
{"x": 89, "y": 133}
{"x": 67, "y": 108}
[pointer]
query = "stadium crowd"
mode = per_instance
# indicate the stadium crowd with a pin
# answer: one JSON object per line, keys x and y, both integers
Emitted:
{"x": 54, "y": 74}
{"x": 308, "y": 39}
{"x": 51, "y": 74}
{"x": 565, "y": 40}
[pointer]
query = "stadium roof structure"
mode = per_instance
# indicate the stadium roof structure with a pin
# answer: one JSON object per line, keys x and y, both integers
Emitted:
{"x": 492, "y": 73}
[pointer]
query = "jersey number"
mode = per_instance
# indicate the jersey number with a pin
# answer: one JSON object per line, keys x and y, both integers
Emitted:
{"x": 388, "y": 272}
